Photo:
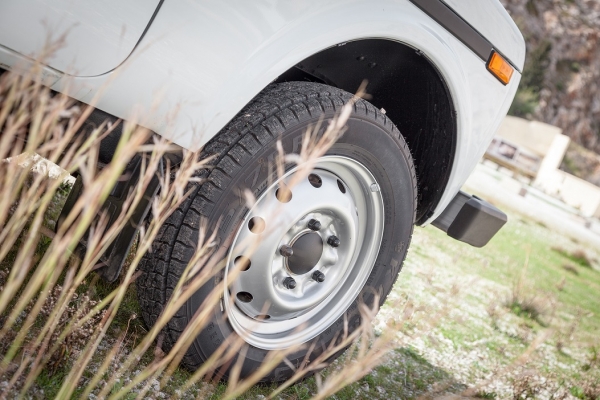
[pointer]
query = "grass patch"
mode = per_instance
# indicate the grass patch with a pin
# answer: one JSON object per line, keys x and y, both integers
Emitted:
{"x": 530, "y": 307}
{"x": 571, "y": 269}
{"x": 578, "y": 256}
{"x": 486, "y": 395}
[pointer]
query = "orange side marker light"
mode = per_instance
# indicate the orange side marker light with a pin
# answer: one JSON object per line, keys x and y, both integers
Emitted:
{"x": 500, "y": 68}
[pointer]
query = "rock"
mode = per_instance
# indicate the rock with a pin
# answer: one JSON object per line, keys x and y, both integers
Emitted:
{"x": 563, "y": 63}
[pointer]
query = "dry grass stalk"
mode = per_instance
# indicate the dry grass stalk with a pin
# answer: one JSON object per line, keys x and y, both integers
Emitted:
{"x": 571, "y": 268}
{"x": 519, "y": 362}
{"x": 523, "y": 303}
{"x": 34, "y": 121}
{"x": 45, "y": 287}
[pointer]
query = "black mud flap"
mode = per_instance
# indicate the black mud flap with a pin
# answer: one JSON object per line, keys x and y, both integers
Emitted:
{"x": 113, "y": 259}
{"x": 471, "y": 220}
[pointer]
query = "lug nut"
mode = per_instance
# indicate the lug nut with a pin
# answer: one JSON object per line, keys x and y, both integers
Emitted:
{"x": 318, "y": 276}
{"x": 289, "y": 283}
{"x": 286, "y": 250}
{"x": 314, "y": 225}
{"x": 333, "y": 241}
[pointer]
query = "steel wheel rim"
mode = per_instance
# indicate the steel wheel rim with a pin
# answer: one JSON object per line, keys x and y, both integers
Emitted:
{"x": 346, "y": 200}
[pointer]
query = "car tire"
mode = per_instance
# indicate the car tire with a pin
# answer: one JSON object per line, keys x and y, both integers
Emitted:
{"x": 362, "y": 191}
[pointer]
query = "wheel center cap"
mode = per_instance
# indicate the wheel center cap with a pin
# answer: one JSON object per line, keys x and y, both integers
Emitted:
{"x": 308, "y": 249}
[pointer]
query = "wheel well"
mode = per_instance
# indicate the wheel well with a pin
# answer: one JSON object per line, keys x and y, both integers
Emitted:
{"x": 411, "y": 91}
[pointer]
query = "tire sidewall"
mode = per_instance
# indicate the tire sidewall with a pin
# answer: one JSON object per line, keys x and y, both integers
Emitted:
{"x": 371, "y": 142}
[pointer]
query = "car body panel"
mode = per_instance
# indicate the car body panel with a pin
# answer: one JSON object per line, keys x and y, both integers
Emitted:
{"x": 89, "y": 37}
{"x": 200, "y": 63}
{"x": 483, "y": 15}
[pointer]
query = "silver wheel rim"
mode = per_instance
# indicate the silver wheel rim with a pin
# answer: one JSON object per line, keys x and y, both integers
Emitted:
{"x": 262, "y": 306}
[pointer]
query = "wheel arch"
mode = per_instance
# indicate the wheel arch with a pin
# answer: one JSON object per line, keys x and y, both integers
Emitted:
{"x": 409, "y": 87}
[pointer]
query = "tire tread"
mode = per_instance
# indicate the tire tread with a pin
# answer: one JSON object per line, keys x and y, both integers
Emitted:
{"x": 265, "y": 117}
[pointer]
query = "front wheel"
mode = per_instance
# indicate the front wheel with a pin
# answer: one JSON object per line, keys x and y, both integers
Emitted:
{"x": 311, "y": 247}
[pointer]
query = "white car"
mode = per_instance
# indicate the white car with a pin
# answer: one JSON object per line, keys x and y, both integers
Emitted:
{"x": 242, "y": 74}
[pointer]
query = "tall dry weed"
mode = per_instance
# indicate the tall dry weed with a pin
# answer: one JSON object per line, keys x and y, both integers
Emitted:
{"x": 525, "y": 300}
{"x": 50, "y": 319}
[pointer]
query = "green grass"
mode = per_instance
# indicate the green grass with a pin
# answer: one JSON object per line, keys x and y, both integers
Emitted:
{"x": 572, "y": 308}
{"x": 51, "y": 381}
{"x": 502, "y": 261}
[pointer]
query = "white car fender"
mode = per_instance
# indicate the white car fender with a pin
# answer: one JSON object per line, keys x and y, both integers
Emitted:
{"x": 200, "y": 63}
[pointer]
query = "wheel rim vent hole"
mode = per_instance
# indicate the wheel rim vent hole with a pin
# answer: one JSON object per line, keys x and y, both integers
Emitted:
{"x": 263, "y": 317}
{"x": 341, "y": 186}
{"x": 315, "y": 180}
{"x": 243, "y": 263}
{"x": 283, "y": 194}
{"x": 256, "y": 225}
{"x": 244, "y": 297}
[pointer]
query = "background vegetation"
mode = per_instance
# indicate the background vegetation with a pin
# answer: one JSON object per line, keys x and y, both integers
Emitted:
{"x": 561, "y": 77}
